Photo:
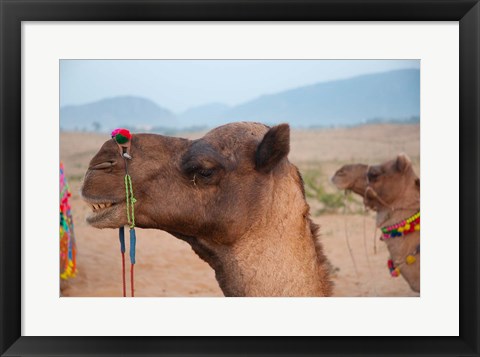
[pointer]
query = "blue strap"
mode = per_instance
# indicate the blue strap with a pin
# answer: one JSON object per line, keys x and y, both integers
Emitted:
{"x": 121, "y": 236}
{"x": 133, "y": 241}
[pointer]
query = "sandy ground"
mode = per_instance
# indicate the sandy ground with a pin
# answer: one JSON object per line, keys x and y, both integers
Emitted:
{"x": 167, "y": 266}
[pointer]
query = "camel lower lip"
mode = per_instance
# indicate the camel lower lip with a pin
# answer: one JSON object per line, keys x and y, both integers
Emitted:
{"x": 102, "y": 212}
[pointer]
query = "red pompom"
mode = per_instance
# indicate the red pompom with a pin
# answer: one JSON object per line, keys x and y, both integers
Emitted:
{"x": 121, "y": 135}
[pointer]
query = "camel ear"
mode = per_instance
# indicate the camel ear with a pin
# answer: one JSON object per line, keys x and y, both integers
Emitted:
{"x": 273, "y": 148}
{"x": 403, "y": 162}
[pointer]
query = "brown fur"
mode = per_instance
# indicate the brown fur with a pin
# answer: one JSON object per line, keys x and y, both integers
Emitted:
{"x": 232, "y": 195}
{"x": 394, "y": 195}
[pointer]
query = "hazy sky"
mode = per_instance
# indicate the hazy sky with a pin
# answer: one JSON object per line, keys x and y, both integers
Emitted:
{"x": 180, "y": 84}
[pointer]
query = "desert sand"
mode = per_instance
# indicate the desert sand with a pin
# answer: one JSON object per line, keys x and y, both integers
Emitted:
{"x": 167, "y": 266}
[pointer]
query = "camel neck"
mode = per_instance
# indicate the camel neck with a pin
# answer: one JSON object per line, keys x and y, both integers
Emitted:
{"x": 401, "y": 246}
{"x": 273, "y": 263}
{"x": 285, "y": 260}
{"x": 278, "y": 255}
{"x": 400, "y": 210}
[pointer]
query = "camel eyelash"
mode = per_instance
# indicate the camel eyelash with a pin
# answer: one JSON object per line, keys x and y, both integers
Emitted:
{"x": 191, "y": 168}
{"x": 205, "y": 172}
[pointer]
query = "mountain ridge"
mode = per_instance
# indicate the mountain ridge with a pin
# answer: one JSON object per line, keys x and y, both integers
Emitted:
{"x": 392, "y": 95}
{"x": 114, "y": 112}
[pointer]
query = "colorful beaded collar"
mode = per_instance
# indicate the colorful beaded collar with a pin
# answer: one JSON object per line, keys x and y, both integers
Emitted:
{"x": 402, "y": 228}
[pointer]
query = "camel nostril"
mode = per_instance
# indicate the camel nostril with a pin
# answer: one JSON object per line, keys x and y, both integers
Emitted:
{"x": 103, "y": 165}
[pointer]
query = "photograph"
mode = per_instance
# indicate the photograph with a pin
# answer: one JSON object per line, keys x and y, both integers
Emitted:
{"x": 239, "y": 178}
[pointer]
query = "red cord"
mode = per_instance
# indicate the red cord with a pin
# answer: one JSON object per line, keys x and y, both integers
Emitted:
{"x": 131, "y": 278}
{"x": 123, "y": 276}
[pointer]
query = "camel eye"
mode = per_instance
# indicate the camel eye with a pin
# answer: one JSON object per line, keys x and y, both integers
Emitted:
{"x": 205, "y": 172}
{"x": 373, "y": 176}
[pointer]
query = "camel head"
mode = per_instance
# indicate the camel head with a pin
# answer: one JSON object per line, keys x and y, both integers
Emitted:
{"x": 212, "y": 187}
{"x": 232, "y": 195}
{"x": 383, "y": 185}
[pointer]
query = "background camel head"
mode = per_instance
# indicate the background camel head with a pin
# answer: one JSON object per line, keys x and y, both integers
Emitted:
{"x": 216, "y": 186}
{"x": 389, "y": 182}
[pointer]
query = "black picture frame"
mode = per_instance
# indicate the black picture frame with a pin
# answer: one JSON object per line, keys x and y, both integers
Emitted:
{"x": 13, "y": 12}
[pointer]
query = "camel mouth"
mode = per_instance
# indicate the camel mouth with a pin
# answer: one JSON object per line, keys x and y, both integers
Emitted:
{"x": 97, "y": 207}
{"x": 338, "y": 181}
{"x": 103, "y": 214}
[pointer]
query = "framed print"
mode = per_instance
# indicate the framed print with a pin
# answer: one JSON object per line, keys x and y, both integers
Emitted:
{"x": 201, "y": 144}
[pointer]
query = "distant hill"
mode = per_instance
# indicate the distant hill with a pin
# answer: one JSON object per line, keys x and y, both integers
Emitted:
{"x": 393, "y": 95}
{"x": 381, "y": 97}
{"x": 113, "y": 112}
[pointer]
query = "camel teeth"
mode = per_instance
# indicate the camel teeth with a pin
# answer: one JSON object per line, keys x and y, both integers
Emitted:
{"x": 98, "y": 206}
